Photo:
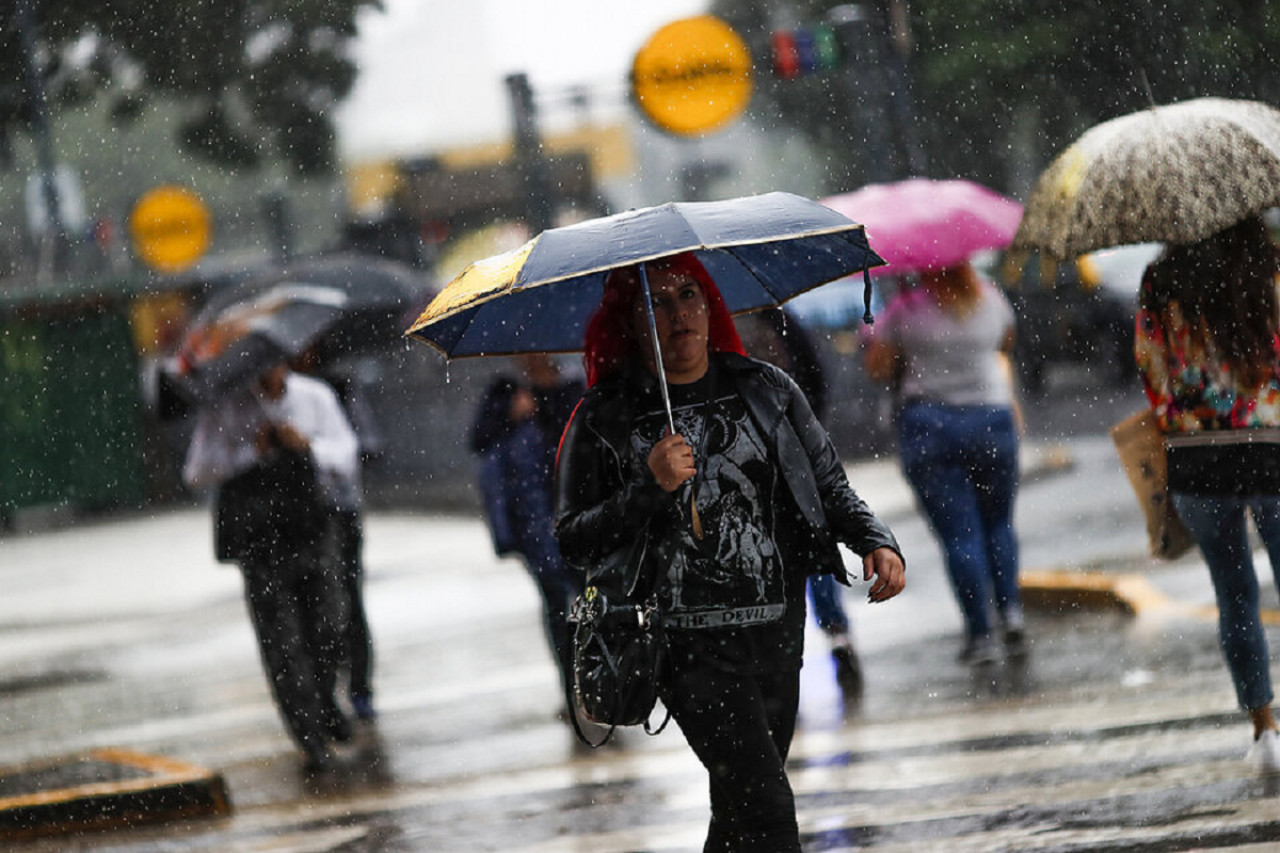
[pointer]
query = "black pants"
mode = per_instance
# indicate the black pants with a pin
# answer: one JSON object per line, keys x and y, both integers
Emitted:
{"x": 295, "y": 604}
{"x": 740, "y": 727}
{"x": 349, "y": 546}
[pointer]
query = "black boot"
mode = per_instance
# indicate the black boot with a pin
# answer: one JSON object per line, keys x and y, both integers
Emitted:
{"x": 848, "y": 670}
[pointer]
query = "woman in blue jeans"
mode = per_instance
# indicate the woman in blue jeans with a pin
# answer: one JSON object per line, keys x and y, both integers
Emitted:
{"x": 1208, "y": 347}
{"x": 944, "y": 346}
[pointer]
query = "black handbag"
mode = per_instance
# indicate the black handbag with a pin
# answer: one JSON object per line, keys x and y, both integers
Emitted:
{"x": 274, "y": 507}
{"x": 619, "y": 651}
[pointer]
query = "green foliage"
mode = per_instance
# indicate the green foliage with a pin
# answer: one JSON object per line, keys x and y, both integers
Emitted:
{"x": 998, "y": 87}
{"x": 254, "y": 77}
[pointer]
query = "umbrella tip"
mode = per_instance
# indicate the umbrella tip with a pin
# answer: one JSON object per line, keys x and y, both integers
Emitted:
{"x": 1146, "y": 87}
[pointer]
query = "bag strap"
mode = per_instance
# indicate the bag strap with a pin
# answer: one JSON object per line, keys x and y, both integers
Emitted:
{"x": 572, "y": 705}
{"x": 666, "y": 719}
{"x": 577, "y": 727}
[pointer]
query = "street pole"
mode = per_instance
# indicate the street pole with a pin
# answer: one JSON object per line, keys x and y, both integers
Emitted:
{"x": 54, "y": 238}
{"x": 897, "y": 34}
{"x": 539, "y": 204}
{"x": 275, "y": 213}
{"x": 876, "y": 42}
{"x": 864, "y": 82}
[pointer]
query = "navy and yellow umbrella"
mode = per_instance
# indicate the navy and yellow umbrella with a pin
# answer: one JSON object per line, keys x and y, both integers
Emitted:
{"x": 761, "y": 250}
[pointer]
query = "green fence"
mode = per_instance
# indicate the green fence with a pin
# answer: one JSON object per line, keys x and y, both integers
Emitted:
{"x": 70, "y": 408}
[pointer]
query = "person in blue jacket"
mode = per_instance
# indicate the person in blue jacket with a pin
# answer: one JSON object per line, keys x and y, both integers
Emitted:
{"x": 516, "y": 433}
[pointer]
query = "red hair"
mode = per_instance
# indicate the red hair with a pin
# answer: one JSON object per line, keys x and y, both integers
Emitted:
{"x": 608, "y": 343}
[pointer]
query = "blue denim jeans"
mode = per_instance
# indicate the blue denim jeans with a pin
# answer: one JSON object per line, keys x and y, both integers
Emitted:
{"x": 1218, "y": 525}
{"x": 828, "y": 604}
{"x": 962, "y": 463}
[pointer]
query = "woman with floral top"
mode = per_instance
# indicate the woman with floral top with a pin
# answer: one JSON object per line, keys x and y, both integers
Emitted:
{"x": 1208, "y": 348}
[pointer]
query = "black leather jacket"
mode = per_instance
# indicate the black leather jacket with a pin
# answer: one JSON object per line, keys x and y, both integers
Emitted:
{"x": 606, "y": 522}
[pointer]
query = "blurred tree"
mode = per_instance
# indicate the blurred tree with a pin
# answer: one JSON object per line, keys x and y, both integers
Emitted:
{"x": 1001, "y": 86}
{"x": 253, "y": 78}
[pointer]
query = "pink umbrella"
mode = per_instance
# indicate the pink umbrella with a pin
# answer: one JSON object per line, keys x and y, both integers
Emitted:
{"x": 922, "y": 224}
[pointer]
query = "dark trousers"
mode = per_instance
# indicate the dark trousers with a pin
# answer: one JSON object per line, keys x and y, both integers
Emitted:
{"x": 740, "y": 727}
{"x": 348, "y": 547}
{"x": 296, "y": 608}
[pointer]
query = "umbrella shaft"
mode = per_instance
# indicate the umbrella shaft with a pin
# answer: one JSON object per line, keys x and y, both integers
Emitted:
{"x": 657, "y": 348}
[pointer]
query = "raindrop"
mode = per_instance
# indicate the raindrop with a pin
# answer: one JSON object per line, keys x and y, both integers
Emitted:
{"x": 1137, "y": 678}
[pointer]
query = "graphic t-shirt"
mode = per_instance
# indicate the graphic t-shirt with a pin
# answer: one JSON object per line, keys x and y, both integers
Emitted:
{"x": 726, "y": 596}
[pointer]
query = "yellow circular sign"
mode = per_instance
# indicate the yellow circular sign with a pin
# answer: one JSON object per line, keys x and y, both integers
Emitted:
{"x": 692, "y": 76}
{"x": 170, "y": 228}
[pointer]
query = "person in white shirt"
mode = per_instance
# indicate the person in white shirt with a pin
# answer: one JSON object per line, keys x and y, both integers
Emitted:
{"x": 294, "y": 596}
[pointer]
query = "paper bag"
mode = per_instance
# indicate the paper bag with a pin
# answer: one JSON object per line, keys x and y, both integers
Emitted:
{"x": 1140, "y": 446}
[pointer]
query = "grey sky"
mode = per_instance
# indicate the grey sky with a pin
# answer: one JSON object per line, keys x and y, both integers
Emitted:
{"x": 432, "y": 70}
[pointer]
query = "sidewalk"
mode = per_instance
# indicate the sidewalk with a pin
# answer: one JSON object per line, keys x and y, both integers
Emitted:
{"x": 1117, "y": 734}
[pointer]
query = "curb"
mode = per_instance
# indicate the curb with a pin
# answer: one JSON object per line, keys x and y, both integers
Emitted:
{"x": 1057, "y": 590}
{"x": 1063, "y": 589}
{"x": 103, "y": 789}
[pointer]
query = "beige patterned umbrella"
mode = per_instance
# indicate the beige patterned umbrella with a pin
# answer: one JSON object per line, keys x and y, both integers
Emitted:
{"x": 1170, "y": 174}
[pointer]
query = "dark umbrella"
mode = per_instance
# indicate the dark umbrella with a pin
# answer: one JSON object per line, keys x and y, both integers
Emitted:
{"x": 368, "y": 280}
{"x": 380, "y": 293}
{"x": 761, "y": 251}
{"x": 229, "y": 343}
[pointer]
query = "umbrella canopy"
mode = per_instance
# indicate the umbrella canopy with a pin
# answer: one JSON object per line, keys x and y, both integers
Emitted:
{"x": 379, "y": 293}
{"x": 921, "y": 224}
{"x": 229, "y": 343}
{"x": 369, "y": 282}
{"x": 1170, "y": 174}
{"x": 761, "y": 250}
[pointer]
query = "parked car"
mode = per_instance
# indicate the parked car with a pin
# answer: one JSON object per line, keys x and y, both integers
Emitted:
{"x": 858, "y": 412}
{"x": 1078, "y": 312}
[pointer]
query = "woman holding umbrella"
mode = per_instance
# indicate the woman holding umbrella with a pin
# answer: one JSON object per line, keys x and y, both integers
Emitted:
{"x": 284, "y": 439}
{"x": 944, "y": 346}
{"x": 725, "y": 515}
{"x": 1208, "y": 347}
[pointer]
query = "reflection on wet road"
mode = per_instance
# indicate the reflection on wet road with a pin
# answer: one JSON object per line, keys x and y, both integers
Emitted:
{"x": 1117, "y": 734}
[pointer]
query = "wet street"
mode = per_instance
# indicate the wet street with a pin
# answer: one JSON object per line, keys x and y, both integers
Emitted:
{"x": 1118, "y": 733}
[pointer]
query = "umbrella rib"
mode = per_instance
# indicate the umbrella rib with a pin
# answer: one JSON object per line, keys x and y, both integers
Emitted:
{"x": 700, "y": 246}
{"x": 751, "y": 271}
{"x": 462, "y": 333}
{"x": 448, "y": 356}
{"x": 778, "y": 299}
{"x": 753, "y": 254}
{"x": 429, "y": 342}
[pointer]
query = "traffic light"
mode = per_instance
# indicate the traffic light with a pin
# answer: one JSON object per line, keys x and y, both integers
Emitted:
{"x": 804, "y": 51}
{"x": 786, "y": 63}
